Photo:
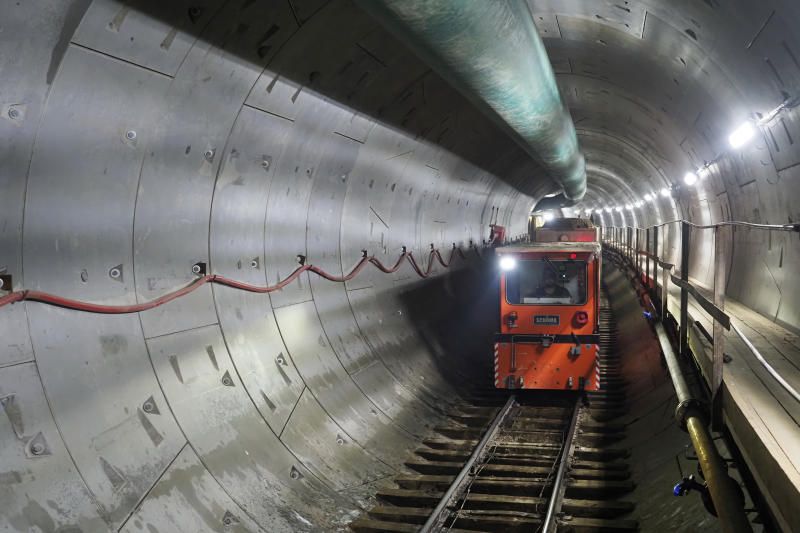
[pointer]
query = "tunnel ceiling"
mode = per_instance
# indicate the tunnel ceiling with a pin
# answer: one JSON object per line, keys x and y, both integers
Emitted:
{"x": 668, "y": 79}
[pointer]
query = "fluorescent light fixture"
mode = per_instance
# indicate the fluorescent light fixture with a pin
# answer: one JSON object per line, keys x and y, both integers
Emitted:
{"x": 665, "y": 192}
{"x": 690, "y": 178}
{"x": 619, "y": 209}
{"x": 507, "y": 263}
{"x": 648, "y": 197}
{"x": 638, "y": 204}
{"x": 608, "y": 209}
{"x": 742, "y": 135}
{"x": 548, "y": 216}
{"x": 588, "y": 211}
{"x": 629, "y": 207}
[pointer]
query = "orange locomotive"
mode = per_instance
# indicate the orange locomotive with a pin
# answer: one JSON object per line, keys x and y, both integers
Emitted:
{"x": 549, "y": 309}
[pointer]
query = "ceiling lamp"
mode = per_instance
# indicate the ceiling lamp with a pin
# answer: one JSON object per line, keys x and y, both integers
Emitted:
{"x": 742, "y": 135}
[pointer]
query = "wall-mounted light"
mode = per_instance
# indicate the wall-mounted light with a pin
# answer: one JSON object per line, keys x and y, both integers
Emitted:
{"x": 548, "y": 216}
{"x": 690, "y": 178}
{"x": 638, "y": 204}
{"x": 665, "y": 192}
{"x": 507, "y": 263}
{"x": 619, "y": 209}
{"x": 742, "y": 135}
{"x": 648, "y": 197}
{"x": 629, "y": 207}
{"x": 608, "y": 209}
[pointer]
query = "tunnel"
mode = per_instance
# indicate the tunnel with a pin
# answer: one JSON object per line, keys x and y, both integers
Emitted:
{"x": 147, "y": 145}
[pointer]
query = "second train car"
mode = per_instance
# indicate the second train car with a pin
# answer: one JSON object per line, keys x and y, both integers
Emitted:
{"x": 549, "y": 309}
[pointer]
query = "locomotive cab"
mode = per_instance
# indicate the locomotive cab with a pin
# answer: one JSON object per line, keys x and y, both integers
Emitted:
{"x": 549, "y": 315}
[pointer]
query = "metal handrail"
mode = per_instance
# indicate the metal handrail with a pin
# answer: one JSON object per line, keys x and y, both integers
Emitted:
{"x": 770, "y": 227}
{"x": 774, "y": 373}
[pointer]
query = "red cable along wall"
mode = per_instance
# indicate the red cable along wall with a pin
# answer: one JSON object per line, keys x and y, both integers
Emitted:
{"x": 68, "y": 303}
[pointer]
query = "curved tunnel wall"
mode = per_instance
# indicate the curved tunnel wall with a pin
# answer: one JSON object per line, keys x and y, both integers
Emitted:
{"x": 263, "y": 130}
{"x": 239, "y": 134}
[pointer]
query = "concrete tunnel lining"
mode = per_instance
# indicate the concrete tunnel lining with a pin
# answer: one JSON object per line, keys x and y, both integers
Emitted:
{"x": 263, "y": 130}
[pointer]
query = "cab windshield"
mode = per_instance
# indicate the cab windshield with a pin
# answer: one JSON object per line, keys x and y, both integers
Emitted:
{"x": 547, "y": 282}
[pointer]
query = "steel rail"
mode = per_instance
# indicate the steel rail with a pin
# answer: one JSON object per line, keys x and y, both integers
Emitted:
{"x": 559, "y": 484}
{"x": 438, "y": 516}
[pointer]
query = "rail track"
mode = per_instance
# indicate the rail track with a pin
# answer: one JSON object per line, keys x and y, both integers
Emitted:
{"x": 531, "y": 461}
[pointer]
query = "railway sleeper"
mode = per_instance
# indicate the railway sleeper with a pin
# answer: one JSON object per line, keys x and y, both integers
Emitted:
{"x": 581, "y": 452}
{"x": 512, "y": 471}
{"x": 539, "y": 459}
{"x": 513, "y": 522}
{"x": 594, "y": 489}
{"x": 588, "y": 489}
{"x": 363, "y": 525}
{"x": 582, "y": 500}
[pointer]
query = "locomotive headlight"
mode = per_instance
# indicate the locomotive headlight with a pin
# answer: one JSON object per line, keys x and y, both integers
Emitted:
{"x": 507, "y": 263}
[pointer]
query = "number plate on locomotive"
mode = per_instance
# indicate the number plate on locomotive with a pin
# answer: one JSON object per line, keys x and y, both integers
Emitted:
{"x": 546, "y": 320}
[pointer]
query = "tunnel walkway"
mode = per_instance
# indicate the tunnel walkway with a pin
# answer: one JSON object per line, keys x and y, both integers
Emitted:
{"x": 763, "y": 418}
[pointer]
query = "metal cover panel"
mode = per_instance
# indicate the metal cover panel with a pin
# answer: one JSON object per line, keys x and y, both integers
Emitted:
{"x": 37, "y": 492}
{"x": 107, "y": 403}
{"x": 188, "y": 498}
{"x": 334, "y": 388}
{"x": 326, "y": 449}
{"x": 156, "y": 35}
{"x": 233, "y": 440}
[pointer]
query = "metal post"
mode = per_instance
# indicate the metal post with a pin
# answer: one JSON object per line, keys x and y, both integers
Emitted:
{"x": 655, "y": 261}
{"x": 720, "y": 272}
{"x": 629, "y": 241}
{"x": 647, "y": 259}
{"x": 664, "y": 293}
{"x": 636, "y": 247}
{"x": 684, "y": 323}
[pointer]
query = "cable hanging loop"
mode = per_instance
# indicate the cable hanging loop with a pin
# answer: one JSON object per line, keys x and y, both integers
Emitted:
{"x": 89, "y": 307}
